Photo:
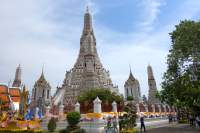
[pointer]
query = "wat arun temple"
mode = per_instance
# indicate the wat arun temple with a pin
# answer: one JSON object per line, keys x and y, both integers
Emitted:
{"x": 88, "y": 72}
{"x": 24, "y": 111}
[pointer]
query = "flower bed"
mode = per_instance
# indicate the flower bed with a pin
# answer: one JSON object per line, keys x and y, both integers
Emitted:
{"x": 97, "y": 116}
{"x": 19, "y": 131}
{"x": 17, "y": 125}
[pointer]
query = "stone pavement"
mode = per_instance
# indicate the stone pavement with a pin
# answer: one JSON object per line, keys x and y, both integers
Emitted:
{"x": 154, "y": 123}
{"x": 175, "y": 128}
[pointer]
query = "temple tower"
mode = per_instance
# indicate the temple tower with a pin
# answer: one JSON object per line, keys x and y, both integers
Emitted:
{"x": 152, "y": 87}
{"x": 132, "y": 88}
{"x": 88, "y": 72}
{"x": 41, "y": 93}
{"x": 17, "y": 80}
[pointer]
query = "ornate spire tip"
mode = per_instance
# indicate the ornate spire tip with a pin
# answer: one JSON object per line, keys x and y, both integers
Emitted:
{"x": 87, "y": 9}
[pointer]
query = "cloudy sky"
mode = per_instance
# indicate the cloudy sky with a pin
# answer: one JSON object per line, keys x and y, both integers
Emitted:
{"x": 34, "y": 33}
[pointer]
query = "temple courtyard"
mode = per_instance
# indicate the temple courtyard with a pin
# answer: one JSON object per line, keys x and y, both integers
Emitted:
{"x": 155, "y": 126}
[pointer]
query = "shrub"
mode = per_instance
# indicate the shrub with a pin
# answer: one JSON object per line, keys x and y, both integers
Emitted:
{"x": 128, "y": 121}
{"x": 73, "y": 118}
{"x": 52, "y": 124}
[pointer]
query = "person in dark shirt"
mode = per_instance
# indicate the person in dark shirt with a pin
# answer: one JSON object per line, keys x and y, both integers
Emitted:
{"x": 142, "y": 123}
{"x": 191, "y": 119}
{"x": 170, "y": 118}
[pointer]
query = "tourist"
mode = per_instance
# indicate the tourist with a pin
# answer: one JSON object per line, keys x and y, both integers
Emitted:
{"x": 109, "y": 122}
{"x": 170, "y": 118}
{"x": 114, "y": 121}
{"x": 142, "y": 123}
{"x": 108, "y": 126}
{"x": 191, "y": 120}
{"x": 198, "y": 121}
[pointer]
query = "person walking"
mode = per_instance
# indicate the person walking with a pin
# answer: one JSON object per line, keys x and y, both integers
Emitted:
{"x": 108, "y": 127}
{"x": 142, "y": 124}
{"x": 198, "y": 121}
{"x": 191, "y": 119}
{"x": 114, "y": 121}
{"x": 170, "y": 118}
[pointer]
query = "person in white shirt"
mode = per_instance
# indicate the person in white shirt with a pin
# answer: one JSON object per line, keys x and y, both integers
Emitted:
{"x": 198, "y": 121}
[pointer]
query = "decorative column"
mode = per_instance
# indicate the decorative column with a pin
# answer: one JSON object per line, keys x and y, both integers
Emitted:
{"x": 159, "y": 108}
{"x": 97, "y": 105}
{"x": 146, "y": 108}
{"x": 138, "y": 107}
{"x": 169, "y": 108}
{"x": 114, "y": 106}
{"x": 165, "y": 110}
{"x": 77, "y": 107}
{"x": 173, "y": 109}
{"x": 153, "y": 108}
{"x": 61, "y": 110}
{"x": 36, "y": 113}
{"x": 47, "y": 111}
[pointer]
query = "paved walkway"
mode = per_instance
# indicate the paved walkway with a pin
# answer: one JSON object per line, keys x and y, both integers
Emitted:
{"x": 154, "y": 123}
{"x": 175, "y": 128}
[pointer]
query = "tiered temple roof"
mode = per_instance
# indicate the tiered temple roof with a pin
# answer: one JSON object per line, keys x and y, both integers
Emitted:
{"x": 132, "y": 88}
{"x": 9, "y": 96}
{"x": 14, "y": 94}
{"x": 4, "y": 96}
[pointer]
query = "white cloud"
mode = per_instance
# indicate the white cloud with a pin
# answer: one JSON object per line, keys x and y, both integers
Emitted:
{"x": 150, "y": 10}
{"x": 138, "y": 53}
{"x": 30, "y": 37}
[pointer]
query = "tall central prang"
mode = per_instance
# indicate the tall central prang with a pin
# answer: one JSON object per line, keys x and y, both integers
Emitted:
{"x": 88, "y": 72}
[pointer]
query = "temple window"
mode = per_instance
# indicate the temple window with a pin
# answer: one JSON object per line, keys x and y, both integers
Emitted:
{"x": 127, "y": 92}
{"x": 131, "y": 92}
{"x": 47, "y": 94}
{"x": 43, "y": 93}
{"x": 35, "y": 93}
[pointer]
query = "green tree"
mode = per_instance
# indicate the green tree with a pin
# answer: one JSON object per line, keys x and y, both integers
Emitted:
{"x": 144, "y": 98}
{"x": 130, "y": 98}
{"x": 128, "y": 120}
{"x": 181, "y": 81}
{"x": 103, "y": 94}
